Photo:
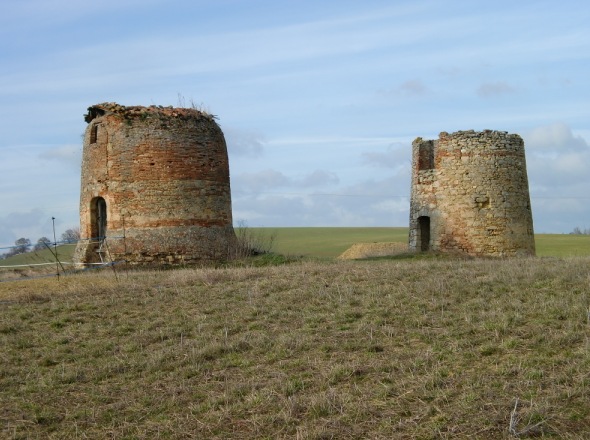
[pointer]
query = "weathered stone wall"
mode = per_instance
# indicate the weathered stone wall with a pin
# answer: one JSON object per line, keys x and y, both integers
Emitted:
{"x": 470, "y": 195}
{"x": 163, "y": 174}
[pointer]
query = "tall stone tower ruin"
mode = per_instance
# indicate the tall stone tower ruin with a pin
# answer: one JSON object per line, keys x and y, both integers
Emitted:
{"x": 470, "y": 195}
{"x": 155, "y": 186}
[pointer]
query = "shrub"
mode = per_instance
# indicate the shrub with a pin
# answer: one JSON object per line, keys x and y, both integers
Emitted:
{"x": 251, "y": 243}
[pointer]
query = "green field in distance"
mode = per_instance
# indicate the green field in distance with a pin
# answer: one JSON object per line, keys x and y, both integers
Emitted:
{"x": 328, "y": 242}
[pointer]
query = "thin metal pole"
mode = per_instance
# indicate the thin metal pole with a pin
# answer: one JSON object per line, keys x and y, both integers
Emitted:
{"x": 55, "y": 248}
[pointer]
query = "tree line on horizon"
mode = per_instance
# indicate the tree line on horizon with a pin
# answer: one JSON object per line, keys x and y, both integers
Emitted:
{"x": 24, "y": 245}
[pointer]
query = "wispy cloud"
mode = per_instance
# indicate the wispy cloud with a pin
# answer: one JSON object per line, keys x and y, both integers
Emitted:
{"x": 408, "y": 88}
{"x": 68, "y": 154}
{"x": 495, "y": 89}
{"x": 369, "y": 203}
{"x": 395, "y": 155}
{"x": 271, "y": 180}
{"x": 43, "y": 14}
{"x": 243, "y": 142}
{"x": 21, "y": 224}
{"x": 413, "y": 87}
{"x": 260, "y": 181}
{"x": 318, "y": 178}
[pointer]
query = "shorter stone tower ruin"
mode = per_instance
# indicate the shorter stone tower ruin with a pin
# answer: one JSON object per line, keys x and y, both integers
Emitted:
{"x": 155, "y": 187}
{"x": 470, "y": 195}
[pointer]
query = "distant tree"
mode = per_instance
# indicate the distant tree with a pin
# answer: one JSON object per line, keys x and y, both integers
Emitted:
{"x": 71, "y": 235}
{"x": 42, "y": 243}
{"x": 21, "y": 246}
{"x": 579, "y": 231}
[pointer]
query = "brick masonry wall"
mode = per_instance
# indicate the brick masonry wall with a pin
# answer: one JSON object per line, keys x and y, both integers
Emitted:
{"x": 474, "y": 193}
{"x": 164, "y": 175}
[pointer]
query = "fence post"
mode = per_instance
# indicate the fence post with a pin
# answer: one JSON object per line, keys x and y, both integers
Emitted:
{"x": 55, "y": 248}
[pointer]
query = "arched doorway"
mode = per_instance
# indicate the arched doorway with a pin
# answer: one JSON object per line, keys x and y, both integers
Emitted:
{"x": 424, "y": 233}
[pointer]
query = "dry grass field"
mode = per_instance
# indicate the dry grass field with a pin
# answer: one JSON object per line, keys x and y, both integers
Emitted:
{"x": 412, "y": 348}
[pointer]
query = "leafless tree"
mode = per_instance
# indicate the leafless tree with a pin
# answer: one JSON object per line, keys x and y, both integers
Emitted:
{"x": 71, "y": 235}
{"x": 42, "y": 243}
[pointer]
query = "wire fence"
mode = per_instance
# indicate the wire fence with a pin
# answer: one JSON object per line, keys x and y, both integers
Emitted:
{"x": 54, "y": 259}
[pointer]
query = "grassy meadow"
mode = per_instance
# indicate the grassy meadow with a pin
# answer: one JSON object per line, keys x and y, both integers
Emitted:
{"x": 331, "y": 242}
{"x": 430, "y": 348}
{"x": 327, "y": 242}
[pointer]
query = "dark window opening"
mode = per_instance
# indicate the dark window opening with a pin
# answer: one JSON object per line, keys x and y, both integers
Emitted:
{"x": 424, "y": 233}
{"x": 426, "y": 156}
{"x": 93, "y": 134}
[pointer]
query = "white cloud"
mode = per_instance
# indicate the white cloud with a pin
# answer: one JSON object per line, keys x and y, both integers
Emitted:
{"x": 393, "y": 206}
{"x": 369, "y": 203}
{"x": 557, "y": 158}
{"x": 396, "y": 155}
{"x": 558, "y": 163}
{"x": 15, "y": 225}
{"x": 259, "y": 181}
{"x": 243, "y": 142}
{"x": 68, "y": 154}
{"x": 557, "y": 137}
{"x": 269, "y": 210}
{"x": 270, "y": 180}
{"x": 318, "y": 178}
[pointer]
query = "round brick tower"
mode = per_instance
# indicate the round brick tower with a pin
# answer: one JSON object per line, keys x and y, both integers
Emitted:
{"x": 155, "y": 187}
{"x": 470, "y": 195}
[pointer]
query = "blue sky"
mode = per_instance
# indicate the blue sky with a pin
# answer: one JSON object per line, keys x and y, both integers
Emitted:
{"x": 319, "y": 100}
